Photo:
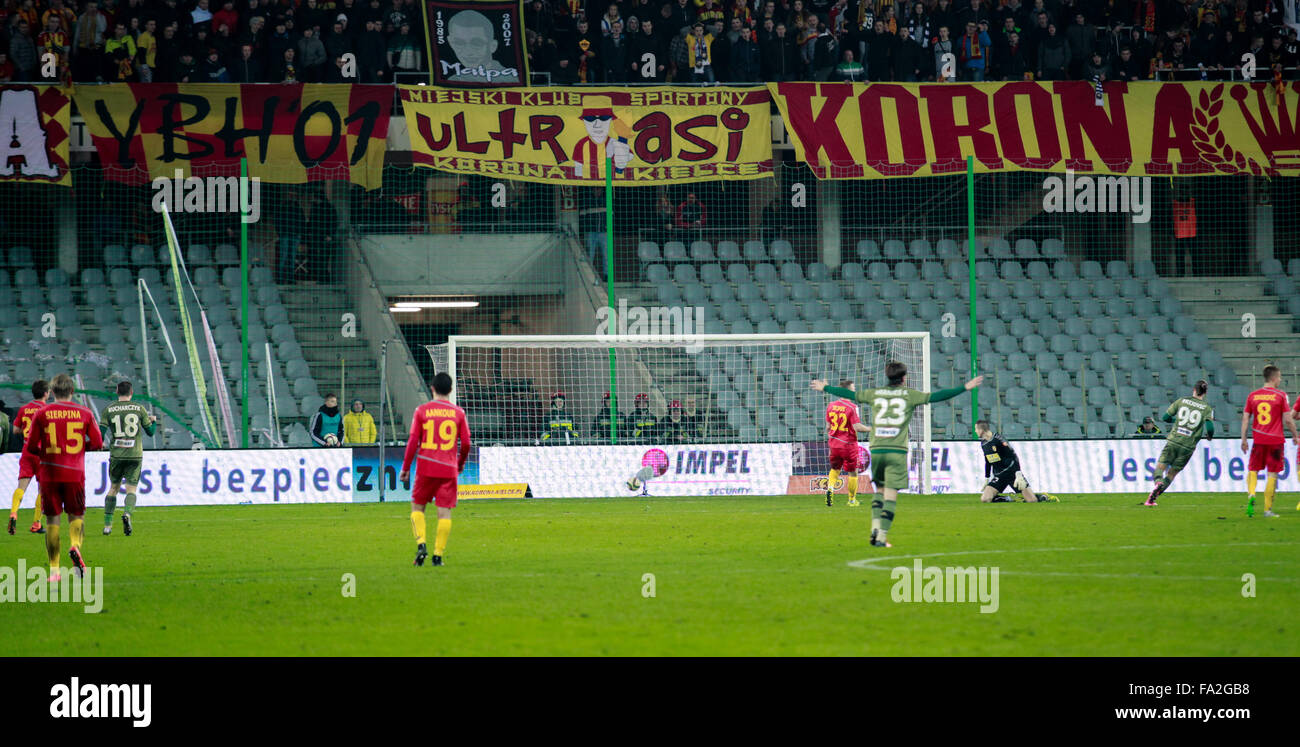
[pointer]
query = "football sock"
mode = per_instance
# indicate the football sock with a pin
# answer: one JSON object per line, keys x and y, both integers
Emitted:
{"x": 52, "y": 545}
{"x": 110, "y": 505}
{"x": 831, "y": 477}
{"x": 18, "y": 500}
{"x": 418, "y": 527}
{"x": 1270, "y": 487}
{"x": 877, "y": 505}
{"x": 440, "y": 541}
{"x": 1251, "y": 480}
{"x": 887, "y": 515}
{"x": 36, "y": 513}
{"x": 853, "y": 487}
{"x": 77, "y": 533}
{"x": 130, "y": 503}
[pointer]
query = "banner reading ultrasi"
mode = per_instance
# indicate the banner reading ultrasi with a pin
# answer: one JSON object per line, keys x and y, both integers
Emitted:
{"x": 34, "y": 121}
{"x": 653, "y": 135}
{"x": 864, "y": 131}
{"x": 290, "y": 133}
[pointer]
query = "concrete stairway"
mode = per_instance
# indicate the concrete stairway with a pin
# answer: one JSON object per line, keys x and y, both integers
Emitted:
{"x": 317, "y": 323}
{"x": 1218, "y": 303}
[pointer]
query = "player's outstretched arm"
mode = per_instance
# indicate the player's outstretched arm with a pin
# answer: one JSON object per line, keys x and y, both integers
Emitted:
{"x": 412, "y": 445}
{"x": 818, "y": 384}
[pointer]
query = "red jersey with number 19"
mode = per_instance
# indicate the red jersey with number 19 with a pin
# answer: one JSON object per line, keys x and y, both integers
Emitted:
{"x": 435, "y": 428}
{"x": 1267, "y": 405}
{"x": 60, "y": 434}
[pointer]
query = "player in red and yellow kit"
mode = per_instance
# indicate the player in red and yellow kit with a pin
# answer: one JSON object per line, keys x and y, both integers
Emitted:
{"x": 1295, "y": 417}
{"x": 61, "y": 433}
{"x": 26, "y": 465}
{"x": 436, "y": 426}
{"x": 1269, "y": 410}
{"x": 842, "y": 428}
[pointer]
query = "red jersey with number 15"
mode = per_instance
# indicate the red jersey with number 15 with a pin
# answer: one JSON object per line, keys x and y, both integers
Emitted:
{"x": 60, "y": 434}
{"x": 436, "y": 426}
{"x": 841, "y": 416}
{"x": 1267, "y": 405}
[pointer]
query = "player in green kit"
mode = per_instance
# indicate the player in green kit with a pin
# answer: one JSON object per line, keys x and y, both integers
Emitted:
{"x": 1192, "y": 417}
{"x": 891, "y": 414}
{"x": 127, "y": 422}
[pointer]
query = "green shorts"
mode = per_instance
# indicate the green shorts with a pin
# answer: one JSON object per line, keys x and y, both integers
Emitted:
{"x": 124, "y": 470}
{"x": 889, "y": 469}
{"x": 1175, "y": 457}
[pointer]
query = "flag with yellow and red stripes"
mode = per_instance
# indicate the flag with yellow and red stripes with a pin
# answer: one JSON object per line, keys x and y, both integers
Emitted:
{"x": 290, "y": 133}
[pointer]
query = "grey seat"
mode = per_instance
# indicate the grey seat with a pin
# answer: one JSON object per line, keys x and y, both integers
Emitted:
{"x": 782, "y": 251}
{"x": 702, "y": 251}
{"x": 648, "y": 252}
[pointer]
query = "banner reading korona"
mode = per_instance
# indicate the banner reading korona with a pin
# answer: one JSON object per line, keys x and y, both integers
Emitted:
{"x": 865, "y": 131}
{"x": 653, "y": 135}
{"x": 291, "y": 133}
{"x": 476, "y": 43}
{"x": 34, "y": 122}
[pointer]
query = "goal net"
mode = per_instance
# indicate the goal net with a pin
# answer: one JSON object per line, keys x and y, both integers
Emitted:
{"x": 597, "y": 389}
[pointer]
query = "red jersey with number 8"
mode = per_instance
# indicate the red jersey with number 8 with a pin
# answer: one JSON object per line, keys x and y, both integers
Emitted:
{"x": 436, "y": 427}
{"x": 1267, "y": 405}
{"x": 60, "y": 434}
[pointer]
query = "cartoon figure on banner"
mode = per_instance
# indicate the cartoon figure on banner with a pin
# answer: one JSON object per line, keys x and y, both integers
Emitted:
{"x": 472, "y": 39}
{"x": 590, "y": 152}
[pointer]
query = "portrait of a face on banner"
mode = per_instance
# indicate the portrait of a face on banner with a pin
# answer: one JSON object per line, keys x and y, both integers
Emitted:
{"x": 478, "y": 44}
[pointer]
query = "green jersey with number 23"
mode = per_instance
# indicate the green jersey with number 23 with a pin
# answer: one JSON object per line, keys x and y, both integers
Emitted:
{"x": 891, "y": 414}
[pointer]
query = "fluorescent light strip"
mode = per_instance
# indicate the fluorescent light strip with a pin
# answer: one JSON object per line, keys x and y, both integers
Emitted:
{"x": 436, "y": 304}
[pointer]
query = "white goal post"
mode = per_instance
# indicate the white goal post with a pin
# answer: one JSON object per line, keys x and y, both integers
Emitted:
{"x": 743, "y": 388}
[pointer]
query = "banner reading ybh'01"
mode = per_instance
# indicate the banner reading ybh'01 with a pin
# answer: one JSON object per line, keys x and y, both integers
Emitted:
{"x": 291, "y": 133}
{"x": 652, "y": 135}
{"x": 476, "y": 43}
{"x": 868, "y": 131}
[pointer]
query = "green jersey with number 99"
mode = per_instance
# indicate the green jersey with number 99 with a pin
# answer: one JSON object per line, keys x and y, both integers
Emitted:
{"x": 1189, "y": 418}
{"x": 891, "y": 414}
{"x": 128, "y": 424}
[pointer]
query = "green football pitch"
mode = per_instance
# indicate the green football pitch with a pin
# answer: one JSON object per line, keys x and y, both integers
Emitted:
{"x": 784, "y": 575}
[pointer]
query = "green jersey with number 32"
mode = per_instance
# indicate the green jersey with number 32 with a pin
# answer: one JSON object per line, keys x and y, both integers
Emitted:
{"x": 128, "y": 424}
{"x": 1190, "y": 415}
{"x": 891, "y": 414}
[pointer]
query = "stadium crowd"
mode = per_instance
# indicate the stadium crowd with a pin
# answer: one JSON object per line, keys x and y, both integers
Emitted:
{"x": 657, "y": 41}
{"x": 212, "y": 41}
{"x": 748, "y": 41}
